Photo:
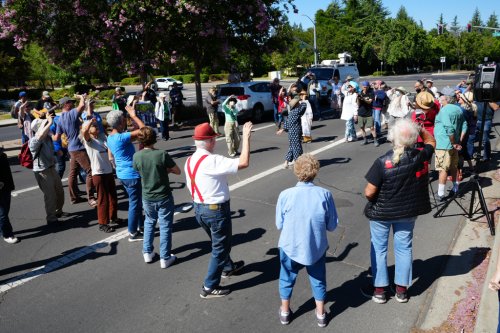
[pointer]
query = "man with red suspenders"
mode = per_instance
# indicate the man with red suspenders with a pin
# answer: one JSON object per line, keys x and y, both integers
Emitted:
{"x": 206, "y": 179}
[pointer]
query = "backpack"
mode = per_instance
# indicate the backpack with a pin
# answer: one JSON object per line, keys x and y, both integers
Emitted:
{"x": 25, "y": 156}
{"x": 14, "y": 110}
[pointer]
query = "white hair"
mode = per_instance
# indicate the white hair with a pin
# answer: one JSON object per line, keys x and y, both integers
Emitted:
{"x": 202, "y": 144}
{"x": 403, "y": 134}
{"x": 114, "y": 118}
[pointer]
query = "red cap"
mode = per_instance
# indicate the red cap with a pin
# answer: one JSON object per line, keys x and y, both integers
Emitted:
{"x": 204, "y": 132}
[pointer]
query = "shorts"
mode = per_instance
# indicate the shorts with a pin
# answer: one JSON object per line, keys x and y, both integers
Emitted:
{"x": 446, "y": 160}
{"x": 365, "y": 122}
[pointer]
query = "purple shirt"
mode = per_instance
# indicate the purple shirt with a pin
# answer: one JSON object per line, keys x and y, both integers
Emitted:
{"x": 69, "y": 124}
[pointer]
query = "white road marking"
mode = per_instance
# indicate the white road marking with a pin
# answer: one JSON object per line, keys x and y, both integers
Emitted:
{"x": 56, "y": 264}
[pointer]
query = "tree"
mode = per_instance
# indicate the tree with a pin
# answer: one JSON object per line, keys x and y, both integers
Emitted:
{"x": 454, "y": 26}
{"x": 492, "y": 21}
{"x": 476, "y": 18}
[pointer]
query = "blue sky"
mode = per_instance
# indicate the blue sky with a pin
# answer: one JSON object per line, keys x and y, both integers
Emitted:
{"x": 427, "y": 11}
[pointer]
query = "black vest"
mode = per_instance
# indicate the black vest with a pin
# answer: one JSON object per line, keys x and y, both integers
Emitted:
{"x": 404, "y": 191}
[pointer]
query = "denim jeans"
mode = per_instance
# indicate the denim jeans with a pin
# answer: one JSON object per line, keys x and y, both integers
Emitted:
{"x": 289, "y": 271}
{"x": 486, "y": 153}
{"x": 350, "y": 131}
{"x": 24, "y": 137}
{"x": 163, "y": 212}
{"x": 403, "y": 236}
{"x": 134, "y": 191}
{"x": 277, "y": 115}
{"x": 61, "y": 163}
{"x": 376, "y": 120}
{"x": 164, "y": 128}
{"x": 216, "y": 221}
{"x": 5, "y": 226}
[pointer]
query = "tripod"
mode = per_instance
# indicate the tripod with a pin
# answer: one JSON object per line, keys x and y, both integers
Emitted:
{"x": 472, "y": 184}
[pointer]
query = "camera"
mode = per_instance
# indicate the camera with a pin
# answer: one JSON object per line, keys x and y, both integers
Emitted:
{"x": 487, "y": 83}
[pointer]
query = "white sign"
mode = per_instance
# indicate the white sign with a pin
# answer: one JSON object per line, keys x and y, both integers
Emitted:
{"x": 443, "y": 59}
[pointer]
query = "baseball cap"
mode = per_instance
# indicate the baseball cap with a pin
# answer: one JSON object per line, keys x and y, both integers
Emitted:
{"x": 365, "y": 84}
{"x": 22, "y": 94}
{"x": 65, "y": 100}
{"x": 204, "y": 132}
{"x": 45, "y": 94}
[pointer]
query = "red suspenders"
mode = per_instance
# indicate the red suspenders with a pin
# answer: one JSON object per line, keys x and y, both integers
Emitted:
{"x": 192, "y": 176}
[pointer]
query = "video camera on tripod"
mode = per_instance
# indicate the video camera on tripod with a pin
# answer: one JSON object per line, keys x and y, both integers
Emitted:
{"x": 487, "y": 83}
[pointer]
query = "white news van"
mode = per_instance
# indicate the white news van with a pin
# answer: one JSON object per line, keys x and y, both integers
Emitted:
{"x": 329, "y": 68}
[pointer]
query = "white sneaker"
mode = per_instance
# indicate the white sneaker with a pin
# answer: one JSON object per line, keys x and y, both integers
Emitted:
{"x": 11, "y": 240}
{"x": 164, "y": 263}
{"x": 148, "y": 257}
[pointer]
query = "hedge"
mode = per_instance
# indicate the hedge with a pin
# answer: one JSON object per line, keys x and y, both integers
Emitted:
{"x": 218, "y": 77}
{"x": 381, "y": 73}
{"x": 128, "y": 81}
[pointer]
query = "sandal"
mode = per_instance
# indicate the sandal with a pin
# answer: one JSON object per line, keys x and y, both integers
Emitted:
{"x": 106, "y": 228}
{"x": 118, "y": 221}
{"x": 93, "y": 203}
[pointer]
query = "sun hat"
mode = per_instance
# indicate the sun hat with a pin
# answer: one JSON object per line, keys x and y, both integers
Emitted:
{"x": 429, "y": 80}
{"x": 162, "y": 95}
{"x": 349, "y": 77}
{"x": 37, "y": 123}
{"x": 354, "y": 85}
{"x": 204, "y": 132}
{"x": 45, "y": 94}
{"x": 402, "y": 90}
{"x": 425, "y": 100}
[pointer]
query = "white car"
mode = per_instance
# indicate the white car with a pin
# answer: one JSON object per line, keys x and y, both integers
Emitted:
{"x": 167, "y": 83}
{"x": 254, "y": 99}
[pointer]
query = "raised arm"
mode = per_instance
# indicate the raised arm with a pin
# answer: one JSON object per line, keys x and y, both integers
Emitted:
{"x": 245, "y": 151}
{"x": 131, "y": 111}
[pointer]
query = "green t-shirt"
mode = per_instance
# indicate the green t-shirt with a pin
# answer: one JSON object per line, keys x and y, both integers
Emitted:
{"x": 152, "y": 165}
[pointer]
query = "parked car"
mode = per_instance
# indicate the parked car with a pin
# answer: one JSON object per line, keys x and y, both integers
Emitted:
{"x": 167, "y": 83}
{"x": 254, "y": 99}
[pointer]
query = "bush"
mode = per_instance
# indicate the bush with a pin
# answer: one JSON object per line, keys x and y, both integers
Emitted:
{"x": 188, "y": 78}
{"x": 218, "y": 77}
{"x": 128, "y": 81}
{"x": 178, "y": 77}
{"x": 204, "y": 78}
{"x": 381, "y": 73}
{"x": 106, "y": 94}
{"x": 428, "y": 68}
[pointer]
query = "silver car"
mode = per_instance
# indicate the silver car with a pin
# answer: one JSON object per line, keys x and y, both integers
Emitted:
{"x": 254, "y": 99}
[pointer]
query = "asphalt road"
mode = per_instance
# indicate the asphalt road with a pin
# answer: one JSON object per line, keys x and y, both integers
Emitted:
{"x": 75, "y": 279}
{"x": 407, "y": 81}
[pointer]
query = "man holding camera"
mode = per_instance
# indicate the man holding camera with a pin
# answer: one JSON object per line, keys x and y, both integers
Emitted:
{"x": 449, "y": 129}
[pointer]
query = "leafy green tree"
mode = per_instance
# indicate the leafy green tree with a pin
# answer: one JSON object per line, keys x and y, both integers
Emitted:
{"x": 476, "y": 18}
{"x": 492, "y": 21}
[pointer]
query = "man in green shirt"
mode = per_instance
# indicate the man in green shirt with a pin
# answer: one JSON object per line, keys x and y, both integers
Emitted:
{"x": 154, "y": 166}
{"x": 449, "y": 129}
{"x": 231, "y": 125}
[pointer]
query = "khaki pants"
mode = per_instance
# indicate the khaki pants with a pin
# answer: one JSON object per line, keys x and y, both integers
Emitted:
{"x": 232, "y": 137}
{"x": 53, "y": 194}
{"x": 214, "y": 121}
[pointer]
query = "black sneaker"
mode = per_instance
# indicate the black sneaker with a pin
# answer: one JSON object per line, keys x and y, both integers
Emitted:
{"x": 236, "y": 267}
{"x": 369, "y": 291}
{"x": 401, "y": 297}
{"x": 136, "y": 237}
{"x": 284, "y": 317}
{"x": 214, "y": 292}
{"x": 321, "y": 320}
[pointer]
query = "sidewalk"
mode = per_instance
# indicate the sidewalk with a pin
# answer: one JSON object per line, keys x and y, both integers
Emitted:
{"x": 463, "y": 302}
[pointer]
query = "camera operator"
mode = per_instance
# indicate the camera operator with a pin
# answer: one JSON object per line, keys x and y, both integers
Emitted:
{"x": 491, "y": 107}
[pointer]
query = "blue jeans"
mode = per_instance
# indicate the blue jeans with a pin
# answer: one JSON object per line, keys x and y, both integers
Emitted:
{"x": 403, "y": 236}
{"x": 61, "y": 163}
{"x": 24, "y": 137}
{"x": 216, "y": 221}
{"x": 350, "y": 131}
{"x": 376, "y": 120}
{"x": 289, "y": 271}
{"x": 163, "y": 212}
{"x": 486, "y": 153}
{"x": 277, "y": 115}
{"x": 5, "y": 226}
{"x": 134, "y": 191}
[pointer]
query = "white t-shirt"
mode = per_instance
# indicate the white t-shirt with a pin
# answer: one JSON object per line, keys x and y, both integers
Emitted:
{"x": 211, "y": 177}
{"x": 98, "y": 155}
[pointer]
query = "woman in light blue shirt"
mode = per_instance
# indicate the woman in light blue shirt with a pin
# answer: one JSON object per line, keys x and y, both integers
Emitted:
{"x": 304, "y": 214}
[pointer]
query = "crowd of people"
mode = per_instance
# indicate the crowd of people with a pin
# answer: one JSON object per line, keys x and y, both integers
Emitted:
{"x": 442, "y": 123}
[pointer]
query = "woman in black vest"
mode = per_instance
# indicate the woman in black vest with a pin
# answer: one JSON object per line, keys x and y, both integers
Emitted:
{"x": 397, "y": 193}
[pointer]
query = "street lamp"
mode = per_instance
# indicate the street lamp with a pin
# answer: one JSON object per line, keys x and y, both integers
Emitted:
{"x": 315, "y": 48}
